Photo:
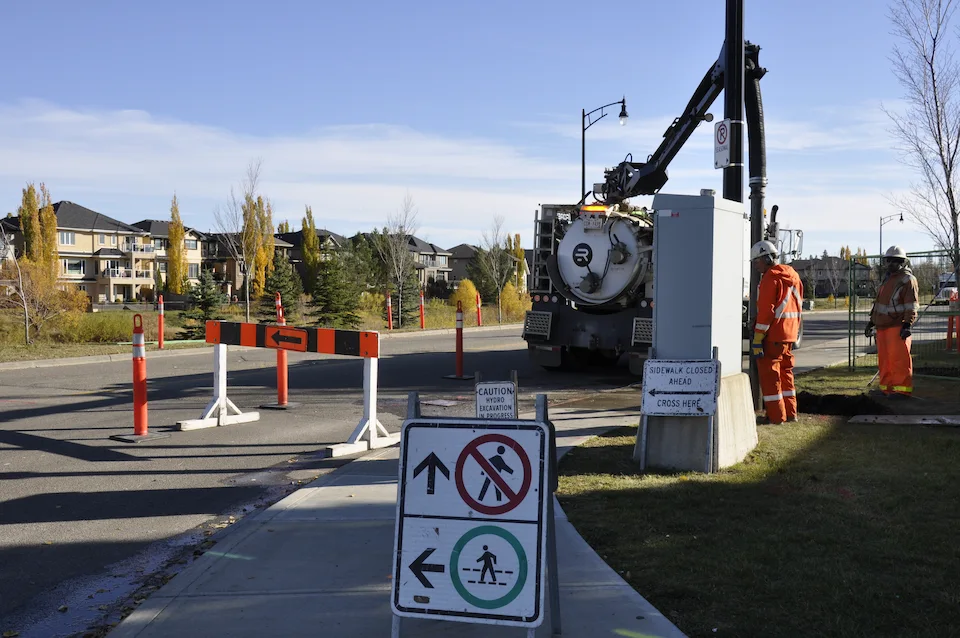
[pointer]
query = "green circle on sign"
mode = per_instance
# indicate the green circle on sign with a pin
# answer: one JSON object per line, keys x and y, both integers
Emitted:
{"x": 511, "y": 595}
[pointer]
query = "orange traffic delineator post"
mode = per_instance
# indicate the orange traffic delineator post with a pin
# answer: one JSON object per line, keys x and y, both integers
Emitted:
{"x": 160, "y": 323}
{"x": 423, "y": 323}
{"x": 282, "y": 403}
{"x": 459, "y": 364}
{"x": 389, "y": 313}
{"x": 479, "y": 317}
{"x": 140, "y": 428}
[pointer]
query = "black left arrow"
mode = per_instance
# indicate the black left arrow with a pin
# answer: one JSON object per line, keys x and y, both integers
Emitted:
{"x": 418, "y": 566}
{"x": 281, "y": 338}
{"x": 432, "y": 463}
{"x": 655, "y": 392}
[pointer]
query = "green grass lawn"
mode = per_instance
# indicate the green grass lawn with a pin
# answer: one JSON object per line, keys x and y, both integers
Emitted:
{"x": 826, "y": 529}
{"x": 48, "y": 350}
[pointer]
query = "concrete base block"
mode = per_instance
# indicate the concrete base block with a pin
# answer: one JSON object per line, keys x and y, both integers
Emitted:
{"x": 139, "y": 438}
{"x": 385, "y": 441}
{"x": 345, "y": 449}
{"x": 212, "y": 422}
{"x": 680, "y": 443}
{"x": 277, "y": 406}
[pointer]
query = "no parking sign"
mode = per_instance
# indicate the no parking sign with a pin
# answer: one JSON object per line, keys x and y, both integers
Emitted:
{"x": 471, "y": 521}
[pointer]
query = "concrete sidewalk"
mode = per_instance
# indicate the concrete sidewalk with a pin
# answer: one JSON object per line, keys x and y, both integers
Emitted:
{"x": 319, "y": 562}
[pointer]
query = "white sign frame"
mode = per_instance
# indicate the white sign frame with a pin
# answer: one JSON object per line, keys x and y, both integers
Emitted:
{"x": 450, "y": 523}
{"x": 675, "y": 387}
{"x": 721, "y": 149}
{"x": 490, "y": 401}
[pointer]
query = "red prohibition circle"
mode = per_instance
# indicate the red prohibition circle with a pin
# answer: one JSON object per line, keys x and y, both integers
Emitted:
{"x": 722, "y": 133}
{"x": 513, "y": 499}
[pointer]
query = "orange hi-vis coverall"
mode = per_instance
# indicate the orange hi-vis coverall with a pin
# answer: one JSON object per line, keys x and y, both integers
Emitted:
{"x": 778, "y": 324}
{"x": 896, "y": 307}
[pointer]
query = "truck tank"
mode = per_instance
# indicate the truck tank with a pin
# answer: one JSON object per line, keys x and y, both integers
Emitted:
{"x": 591, "y": 287}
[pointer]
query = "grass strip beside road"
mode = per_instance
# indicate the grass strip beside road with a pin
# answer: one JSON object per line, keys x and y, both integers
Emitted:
{"x": 826, "y": 529}
{"x": 47, "y": 350}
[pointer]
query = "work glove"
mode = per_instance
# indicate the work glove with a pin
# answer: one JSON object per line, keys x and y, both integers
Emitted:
{"x": 870, "y": 330}
{"x": 756, "y": 347}
{"x": 905, "y": 331}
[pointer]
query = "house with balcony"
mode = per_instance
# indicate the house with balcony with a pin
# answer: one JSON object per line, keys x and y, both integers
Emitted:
{"x": 431, "y": 262}
{"x": 329, "y": 242}
{"x": 106, "y": 258}
{"x": 193, "y": 240}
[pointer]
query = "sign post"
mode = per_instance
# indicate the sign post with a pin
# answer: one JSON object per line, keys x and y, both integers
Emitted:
{"x": 474, "y": 520}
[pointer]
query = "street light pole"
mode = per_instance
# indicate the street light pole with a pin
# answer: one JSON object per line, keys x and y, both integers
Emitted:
{"x": 585, "y": 123}
{"x": 884, "y": 220}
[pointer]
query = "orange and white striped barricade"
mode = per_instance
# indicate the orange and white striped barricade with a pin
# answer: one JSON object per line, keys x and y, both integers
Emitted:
{"x": 141, "y": 430}
{"x": 368, "y": 434}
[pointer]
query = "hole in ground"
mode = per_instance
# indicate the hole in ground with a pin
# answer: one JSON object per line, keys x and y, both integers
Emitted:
{"x": 839, "y": 404}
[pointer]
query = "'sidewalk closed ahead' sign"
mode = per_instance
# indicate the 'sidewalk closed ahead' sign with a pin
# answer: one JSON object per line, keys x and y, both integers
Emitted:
{"x": 471, "y": 521}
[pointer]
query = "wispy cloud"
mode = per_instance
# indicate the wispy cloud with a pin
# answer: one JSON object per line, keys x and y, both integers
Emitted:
{"x": 128, "y": 164}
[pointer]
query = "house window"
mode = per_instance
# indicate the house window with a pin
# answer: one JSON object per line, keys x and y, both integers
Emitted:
{"x": 190, "y": 243}
{"x": 74, "y": 266}
{"x": 113, "y": 240}
{"x": 442, "y": 261}
{"x": 158, "y": 244}
{"x": 103, "y": 239}
{"x": 82, "y": 288}
{"x": 67, "y": 238}
{"x": 193, "y": 271}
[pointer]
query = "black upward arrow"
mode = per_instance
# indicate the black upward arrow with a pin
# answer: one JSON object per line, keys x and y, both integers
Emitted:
{"x": 281, "y": 338}
{"x": 655, "y": 392}
{"x": 418, "y": 566}
{"x": 432, "y": 463}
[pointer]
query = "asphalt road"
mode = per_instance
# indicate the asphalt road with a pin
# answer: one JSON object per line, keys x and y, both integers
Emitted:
{"x": 83, "y": 517}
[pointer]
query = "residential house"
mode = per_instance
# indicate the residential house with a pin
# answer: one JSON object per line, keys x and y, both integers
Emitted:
{"x": 431, "y": 261}
{"x": 159, "y": 232}
{"x": 831, "y": 276}
{"x": 227, "y": 272}
{"x": 329, "y": 241}
{"x": 107, "y": 259}
{"x": 460, "y": 257}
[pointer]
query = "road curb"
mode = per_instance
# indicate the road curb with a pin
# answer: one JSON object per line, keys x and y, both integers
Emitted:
{"x": 157, "y": 354}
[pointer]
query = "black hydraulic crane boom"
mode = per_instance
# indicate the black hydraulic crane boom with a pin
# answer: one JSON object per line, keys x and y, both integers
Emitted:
{"x": 630, "y": 179}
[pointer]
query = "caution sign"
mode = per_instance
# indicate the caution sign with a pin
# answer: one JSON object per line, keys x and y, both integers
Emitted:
{"x": 471, "y": 521}
{"x": 497, "y": 400}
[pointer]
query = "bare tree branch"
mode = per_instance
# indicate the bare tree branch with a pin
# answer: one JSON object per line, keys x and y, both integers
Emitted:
{"x": 229, "y": 220}
{"x": 496, "y": 260}
{"x": 928, "y": 131}
{"x": 393, "y": 247}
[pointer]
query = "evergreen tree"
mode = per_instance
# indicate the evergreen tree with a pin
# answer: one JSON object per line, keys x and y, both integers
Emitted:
{"x": 207, "y": 301}
{"x": 310, "y": 249}
{"x": 336, "y": 299}
{"x": 409, "y": 302}
{"x": 29, "y": 213}
{"x": 48, "y": 232}
{"x": 283, "y": 279}
{"x": 176, "y": 251}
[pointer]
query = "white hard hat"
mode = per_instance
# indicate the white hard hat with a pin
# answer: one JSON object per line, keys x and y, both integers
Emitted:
{"x": 895, "y": 251}
{"x": 763, "y": 249}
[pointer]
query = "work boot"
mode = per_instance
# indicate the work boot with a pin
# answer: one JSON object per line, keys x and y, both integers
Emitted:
{"x": 899, "y": 397}
{"x": 792, "y": 419}
{"x": 877, "y": 394}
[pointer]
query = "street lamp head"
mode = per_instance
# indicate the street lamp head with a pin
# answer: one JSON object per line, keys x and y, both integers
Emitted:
{"x": 708, "y": 117}
{"x": 623, "y": 112}
{"x": 901, "y": 217}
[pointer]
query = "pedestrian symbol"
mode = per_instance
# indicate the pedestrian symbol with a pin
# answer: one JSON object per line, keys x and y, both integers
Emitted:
{"x": 501, "y": 466}
{"x": 497, "y": 576}
{"x": 487, "y": 466}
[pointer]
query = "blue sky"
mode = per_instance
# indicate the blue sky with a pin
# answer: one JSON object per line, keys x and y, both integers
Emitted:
{"x": 472, "y": 108}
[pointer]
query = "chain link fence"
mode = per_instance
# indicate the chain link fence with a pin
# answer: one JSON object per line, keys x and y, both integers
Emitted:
{"x": 933, "y": 352}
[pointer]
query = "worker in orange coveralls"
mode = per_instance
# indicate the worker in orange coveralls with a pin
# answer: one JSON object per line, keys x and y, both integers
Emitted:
{"x": 891, "y": 320}
{"x": 777, "y": 329}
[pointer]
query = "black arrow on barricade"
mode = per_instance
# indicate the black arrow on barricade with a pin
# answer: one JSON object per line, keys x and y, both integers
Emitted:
{"x": 432, "y": 463}
{"x": 281, "y": 338}
{"x": 655, "y": 392}
{"x": 418, "y": 566}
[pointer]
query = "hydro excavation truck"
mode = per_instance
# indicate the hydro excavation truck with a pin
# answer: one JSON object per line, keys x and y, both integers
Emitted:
{"x": 593, "y": 263}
